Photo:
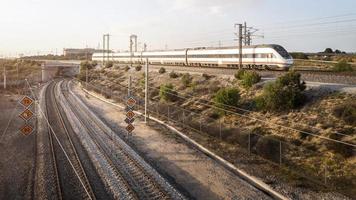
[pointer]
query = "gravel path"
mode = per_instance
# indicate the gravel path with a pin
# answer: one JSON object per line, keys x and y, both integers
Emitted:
{"x": 17, "y": 152}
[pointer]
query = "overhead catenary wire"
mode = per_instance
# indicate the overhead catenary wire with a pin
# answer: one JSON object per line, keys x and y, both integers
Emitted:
{"x": 178, "y": 94}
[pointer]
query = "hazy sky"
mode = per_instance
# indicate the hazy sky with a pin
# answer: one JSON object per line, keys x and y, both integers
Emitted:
{"x": 44, "y": 26}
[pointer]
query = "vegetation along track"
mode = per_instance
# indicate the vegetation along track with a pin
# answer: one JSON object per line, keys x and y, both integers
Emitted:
{"x": 307, "y": 75}
{"x": 144, "y": 181}
{"x": 71, "y": 178}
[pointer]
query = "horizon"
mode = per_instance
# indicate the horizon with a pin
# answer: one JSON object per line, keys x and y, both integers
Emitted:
{"x": 51, "y": 26}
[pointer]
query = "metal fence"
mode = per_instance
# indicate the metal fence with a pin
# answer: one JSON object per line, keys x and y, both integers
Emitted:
{"x": 296, "y": 159}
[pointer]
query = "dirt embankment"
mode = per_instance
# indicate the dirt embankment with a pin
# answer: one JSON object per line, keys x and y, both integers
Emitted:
{"x": 302, "y": 139}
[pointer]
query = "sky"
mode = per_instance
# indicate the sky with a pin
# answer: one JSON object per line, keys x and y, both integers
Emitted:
{"x": 34, "y": 27}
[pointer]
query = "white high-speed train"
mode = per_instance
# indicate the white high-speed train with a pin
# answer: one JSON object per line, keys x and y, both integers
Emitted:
{"x": 258, "y": 56}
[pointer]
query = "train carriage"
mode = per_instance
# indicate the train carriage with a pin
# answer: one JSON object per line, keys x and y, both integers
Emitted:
{"x": 258, "y": 56}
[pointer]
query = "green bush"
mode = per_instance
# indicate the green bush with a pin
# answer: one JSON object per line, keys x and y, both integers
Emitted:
{"x": 86, "y": 65}
{"x": 206, "y": 76}
{"x": 109, "y": 64}
{"x": 162, "y": 70}
{"x": 299, "y": 55}
{"x": 167, "y": 93}
{"x": 127, "y": 68}
{"x": 285, "y": 93}
{"x": 239, "y": 74}
{"x": 186, "y": 79}
{"x": 94, "y": 63}
{"x": 138, "y": 68}
{"x": 226, "y": 98}
{"x": 250, "y": 78}
{"x": 172, "y": 74}
{"x": 346, "y": 112}
{"x": 342, "y": 66}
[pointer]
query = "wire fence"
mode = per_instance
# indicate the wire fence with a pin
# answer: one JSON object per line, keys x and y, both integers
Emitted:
{"x": 299, "y": 160}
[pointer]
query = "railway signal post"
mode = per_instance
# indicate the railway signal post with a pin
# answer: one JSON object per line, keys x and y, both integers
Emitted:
{"x": 130, "y": 103}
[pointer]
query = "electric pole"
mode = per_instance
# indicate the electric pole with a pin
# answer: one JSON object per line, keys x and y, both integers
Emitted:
{"x": 240, "y": 44}
{"x": 245, "y": 33}
{"x": 108, "y": 46}
{"x": 4, "y": 76}
{"x": 146, "y": 90}
{"x": 103, "y": 49}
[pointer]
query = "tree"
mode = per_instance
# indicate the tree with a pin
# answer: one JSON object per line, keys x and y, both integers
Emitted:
{"x": 328, "y": 50}
{"x": 337, "y": 51}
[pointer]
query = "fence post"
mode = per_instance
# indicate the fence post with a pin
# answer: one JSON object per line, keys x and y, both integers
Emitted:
{"x": 157, "y": 109}
{"x": 200, "y": 128}
{"x": 249, "y": 143}
{"x": 280, "y": 153}
{"x": 325, "y": 175}
{"x": 183, "y": 118}
{"x": 168, "y": 116}
{"x": 220, "y": 129}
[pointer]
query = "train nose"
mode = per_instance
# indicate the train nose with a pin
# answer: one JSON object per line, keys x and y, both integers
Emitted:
{"x": 290, "y": 61}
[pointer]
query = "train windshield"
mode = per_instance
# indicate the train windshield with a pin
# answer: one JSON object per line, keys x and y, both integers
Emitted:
{"x": 282, "y": 51}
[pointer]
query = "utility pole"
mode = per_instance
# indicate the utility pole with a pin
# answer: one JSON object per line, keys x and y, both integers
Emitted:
{"x": 86, "y": 76}
{"x": 103, "y": 49}
{"x": 245, "y": 33}
{"x": 146, "y": 90}
{"x": 108, "y": 47}
{"x": 249, "y": 38}
{"x": 4, "y": 76}
{"x": 240, "y": 44}
{"x": 129, "y": 87}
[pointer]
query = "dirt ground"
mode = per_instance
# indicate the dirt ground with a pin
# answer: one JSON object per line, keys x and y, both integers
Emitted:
{"x": 198, "y": 176}
{"x": 152, "y": 147}
{"x": 16, "y": 151}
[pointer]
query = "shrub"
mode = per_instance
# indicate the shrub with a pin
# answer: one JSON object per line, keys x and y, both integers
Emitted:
{"x": 138, "y": 68}
{"x": 346, "y": 112}
{"x": 86, "y": 65}
{"x": 167, "y": 93}
{"x": 341, "y": 149}
{"x": 342, "y": 66}
{"x": 94, "y": 63}
{"x": 206, "y": 76}
{"x": 250, "y": 78}
{"x": 162, "y": 70}
{"x": 285, "y": 93}
{"x": 109, "y": 64}
{"x": 127, "y": 68}
{"x": 186, "y": 79}
{"x": 299, "y": 55}
{"x": 173, "y": 74}
{"x": 239, "y": 74}
{"x": 268, "y": 147}
{"x": 226, "y": 98}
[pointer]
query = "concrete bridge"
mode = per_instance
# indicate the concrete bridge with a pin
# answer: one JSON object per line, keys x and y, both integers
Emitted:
{"x": 50, "y": 69}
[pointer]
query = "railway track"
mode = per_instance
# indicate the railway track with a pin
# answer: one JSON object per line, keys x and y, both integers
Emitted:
{"x": 70, "y": 177}
{"x": 131, "y": 169}
{"x": 199, "y": 68}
